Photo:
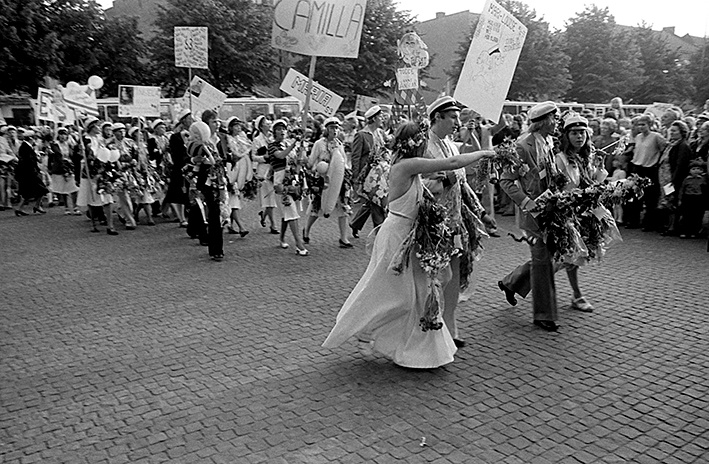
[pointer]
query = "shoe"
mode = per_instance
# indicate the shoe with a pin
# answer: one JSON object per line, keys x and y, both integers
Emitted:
{"x": 302, "y": 252}
{"x": 77, "y": 212}
{"x": 20, "y": 213}
{"x": 582, "y": 305}
{"x": 355, "y": 232}
{"x": 274, "y": 231}
{"x": 121, "y": 219}
{"x": 39, "y": 210}
{"x": 183, "y": 224}
{"x": 680, "y": 236}
{"x": 549, "y": 326}
{"x": 130, "y": 227}
{"x": 103, "y": 222}
{"x": 509, "y": 294}
{"x": 151, "y": 223}
{"x": 243, "y": 233}
{"x": 263, "y": 218}
{"x": 232, "y": 231}
{"x": 459, "y": 343}
{"x": 284, "y": 245}
{"x": 344, "y": 244}
{"x": 203, "y": 243}
{"x": 67, "y": 213}
{"x": 111, "y": 232}
{"x": 217, "y": 257}
{"x": 306, "y": 238}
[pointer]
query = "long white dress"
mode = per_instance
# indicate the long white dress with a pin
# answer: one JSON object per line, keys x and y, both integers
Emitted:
{"x": 386, "y": 307}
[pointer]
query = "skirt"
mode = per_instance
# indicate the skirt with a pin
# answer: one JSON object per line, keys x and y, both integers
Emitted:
{"x": 62, "y": 185}
{"x": 89, "y": 197}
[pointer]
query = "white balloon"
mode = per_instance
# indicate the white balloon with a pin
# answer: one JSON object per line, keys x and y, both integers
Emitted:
{"x": 103, "y": 154}
{"x": 114, "y": 156}
{"x": 72, "y": 85}
{"x": 95, "y": 82}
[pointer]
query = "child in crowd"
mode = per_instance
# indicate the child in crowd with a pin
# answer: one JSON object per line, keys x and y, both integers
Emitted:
{"x": 693, "y": 200}
{"x": 618, "y": 174}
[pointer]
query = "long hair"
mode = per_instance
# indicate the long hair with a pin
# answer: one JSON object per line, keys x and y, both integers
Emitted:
{"x": 410, "y": 140}
{"x": 583, "y": 158}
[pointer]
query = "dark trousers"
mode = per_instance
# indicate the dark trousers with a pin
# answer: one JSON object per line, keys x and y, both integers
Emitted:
{"x": 649, "y": 200}
{"x": 365, "y": 209}
{"x": 692, "y": 211}
{"x": 537, "y": 276}
{"x": 214, "y": 225}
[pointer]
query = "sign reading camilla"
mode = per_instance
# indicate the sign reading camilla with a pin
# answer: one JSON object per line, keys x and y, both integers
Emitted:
{"x": 318, "y": 27}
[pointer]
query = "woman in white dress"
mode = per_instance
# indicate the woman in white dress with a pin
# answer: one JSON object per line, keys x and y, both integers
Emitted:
{"x": 239, "y": 171}
{"x": 259, "y": 154}
{"x": 386, "y": 307}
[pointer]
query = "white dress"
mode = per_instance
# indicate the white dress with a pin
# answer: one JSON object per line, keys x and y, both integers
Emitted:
{"x": 386, "y": 307}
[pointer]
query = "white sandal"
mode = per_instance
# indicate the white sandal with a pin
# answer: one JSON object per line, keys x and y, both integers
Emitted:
{"x": 582, "y": 305}
{"x": 302, "y": 252}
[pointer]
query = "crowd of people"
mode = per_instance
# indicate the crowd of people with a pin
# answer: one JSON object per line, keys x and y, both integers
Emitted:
{"x": 200, "y": 172}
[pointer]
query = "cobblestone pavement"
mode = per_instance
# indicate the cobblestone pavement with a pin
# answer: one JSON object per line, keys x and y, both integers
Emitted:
{"x": 139, "y": 349}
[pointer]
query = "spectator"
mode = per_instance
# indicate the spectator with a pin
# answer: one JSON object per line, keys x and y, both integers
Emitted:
{"x": 673, "y": 169}
{"x": 692, "y": 200}
{"x": 700, "y": 145}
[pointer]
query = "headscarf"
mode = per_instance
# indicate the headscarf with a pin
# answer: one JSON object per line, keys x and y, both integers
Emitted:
{"x": 199, "y": 132}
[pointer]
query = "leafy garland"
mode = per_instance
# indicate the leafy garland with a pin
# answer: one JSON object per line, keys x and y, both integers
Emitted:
{"x": 504, "y": 159}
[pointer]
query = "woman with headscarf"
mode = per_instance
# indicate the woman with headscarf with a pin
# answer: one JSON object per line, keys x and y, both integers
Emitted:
{"x": 259, "y": 153}
{"x": 28, "y": 175}
{"x": 210, "y": 185}
{"x": 239, "y": 171}
{"x": 61, "y": 168}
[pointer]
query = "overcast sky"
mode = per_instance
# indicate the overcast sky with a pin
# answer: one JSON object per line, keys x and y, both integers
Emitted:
{"x": 687, "y": 16}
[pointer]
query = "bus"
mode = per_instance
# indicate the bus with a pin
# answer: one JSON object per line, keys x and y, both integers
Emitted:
{"x": 245, "y": 108}
{"x": 598, "y": 109}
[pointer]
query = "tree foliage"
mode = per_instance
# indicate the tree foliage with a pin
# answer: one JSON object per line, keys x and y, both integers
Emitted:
{"x": 240, "y": 53}
{"x": 377, "y": 59}
{"x": 542, "y": 70}
{"x": 698, "y": 69}
{"x": 605, "y": 61}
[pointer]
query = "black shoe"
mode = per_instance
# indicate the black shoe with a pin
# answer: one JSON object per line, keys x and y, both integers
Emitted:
{"x": 355, "y": 232}
{"x": 217, "y": 257}
{"x": 509, "y": 294}
{"x": 343, "y": 244}
{"x": 20, "y": 213}
{"x": 39, "y": 210}
{"x": 459, "y": 343}
{"x": 243, "y": 233}
{"x": 549, "y": 326}
{"x": 274, "y": 231}
{"x": 262, "y": 221}
{"x": 232, "y": 231}
{"x": 111, "y": 232}
{"x": 306, "y": 238}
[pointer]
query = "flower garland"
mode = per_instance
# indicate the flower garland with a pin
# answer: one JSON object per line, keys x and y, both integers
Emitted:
{"x": 472, "y": 233}
{"x": 505, "y": 158}
{"x": 250, "y": 189}
{"x": 376, "y": 182}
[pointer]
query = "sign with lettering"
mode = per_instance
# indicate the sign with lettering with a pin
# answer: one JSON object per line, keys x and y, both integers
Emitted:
{"x": 191, "y": 47}
{"x": 80, "y": 98}
{"x": 363, "y": 103}
{"x": 318, "y": 27}
{"x": 138, "y": 100}
{"x": 491, "y": 61}
{"x": 322, "y": 100}
{"x": 204, "y": 96}
{"x": 407, "y": 78}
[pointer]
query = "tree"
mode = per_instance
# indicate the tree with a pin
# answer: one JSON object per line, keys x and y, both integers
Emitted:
{"x": 542, "y": 70}
{"x": 377, "y": 59}
{"x": 240, "y": 53}
{"x": 699, "y": 71}
{"x": 29, "y": 47}
{"x": 605, "y": 61}
{"x": 666, "y": 78}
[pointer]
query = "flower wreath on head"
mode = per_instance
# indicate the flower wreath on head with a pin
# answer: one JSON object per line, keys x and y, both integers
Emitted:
{"x": 409, "y": 144}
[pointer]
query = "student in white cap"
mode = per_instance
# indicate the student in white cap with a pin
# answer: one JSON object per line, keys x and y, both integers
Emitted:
{"x": 369, "y": 142}
{"x": 536, "y": 152}
{"x": 259, "y": 154}
{"x": 239, "y": 171}
{"x": 444, "y": 114}
{"x": 327, "y": 159}
{"x": 61, "y": 168}
{"x": 347, "y": 134}
{"x": 176, "y": 195}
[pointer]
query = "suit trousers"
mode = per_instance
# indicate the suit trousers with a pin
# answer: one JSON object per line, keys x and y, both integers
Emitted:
{"x": 367, "y": 208}
{"x": 537, "y": 276}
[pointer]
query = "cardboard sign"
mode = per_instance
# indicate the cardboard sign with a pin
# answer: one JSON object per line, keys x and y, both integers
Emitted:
{"x": 318, "y": 27}
{"x": 81, "y": 99}
{"x": 204, "y": 96}
{"x": 407, "y": 78}
{"x": 491, "y": 61}
{"x": 322, "y": 100}
{"x": 363, "y": 103}
{"x": 137, "y": 100}
{"x": 191, "y": 47}
{"x": 45, "y": 105}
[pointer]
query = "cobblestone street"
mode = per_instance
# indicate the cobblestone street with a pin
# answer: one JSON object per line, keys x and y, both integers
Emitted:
{"x": 139, "y": 349}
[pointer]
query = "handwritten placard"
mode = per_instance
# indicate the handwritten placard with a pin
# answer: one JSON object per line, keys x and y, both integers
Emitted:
{"x": 137, "y": 100}
{"x": 318, "y": 27}
{"x": 191, "y": 47}
{"x": 364, "y": 102}
{"x": 491, "y": 61}
{"x": 407, "y": 78}
{"x": 204, "y": 96}
{"x": 322, "y": 100}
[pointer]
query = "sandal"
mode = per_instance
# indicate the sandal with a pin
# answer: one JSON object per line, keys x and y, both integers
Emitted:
{"x": 284, "y": 245}
{"x": 302, "y": 252}
{"x": 582, "y": 305}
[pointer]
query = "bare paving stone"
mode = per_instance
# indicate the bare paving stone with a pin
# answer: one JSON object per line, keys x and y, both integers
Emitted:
{"x": 138, "y": 348}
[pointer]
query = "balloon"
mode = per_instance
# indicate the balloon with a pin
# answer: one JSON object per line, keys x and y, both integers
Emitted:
{"x": 95, "y": 82}
{"x": 103, "y": 154}
{"x": 322, "y": 168}
{"x": 114, "y": 155}
{"x": 72, "y": 85}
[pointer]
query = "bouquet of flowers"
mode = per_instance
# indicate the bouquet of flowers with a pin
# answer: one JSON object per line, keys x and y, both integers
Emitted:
{"x": 376, "y": 182}
{"x": 250, "y": 190}
{"x": 505, "y": 158}
{"x": 473, "y": 231}
{"x": 556, "y": 217}
{"x": 67, "y": 168}
{"x": 625, "y": 191}
{"x": 108, "y": 178}
{"x": 431, "y": 241}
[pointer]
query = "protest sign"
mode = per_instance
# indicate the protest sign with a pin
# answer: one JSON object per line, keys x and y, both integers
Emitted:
{"x": 407, "y": 78}
{"x": 491, "y": 61}
{"x": 363, "y": 103}
{"x": 318, "y": 27}
{"x": 45, "y": 106}
{"x": 191, "y": 47}
{"x": 204, "y": 96}
{"x": 322, "y": 100}
{"x": 137, "y": 100}
{"x": 80, "y": 99}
